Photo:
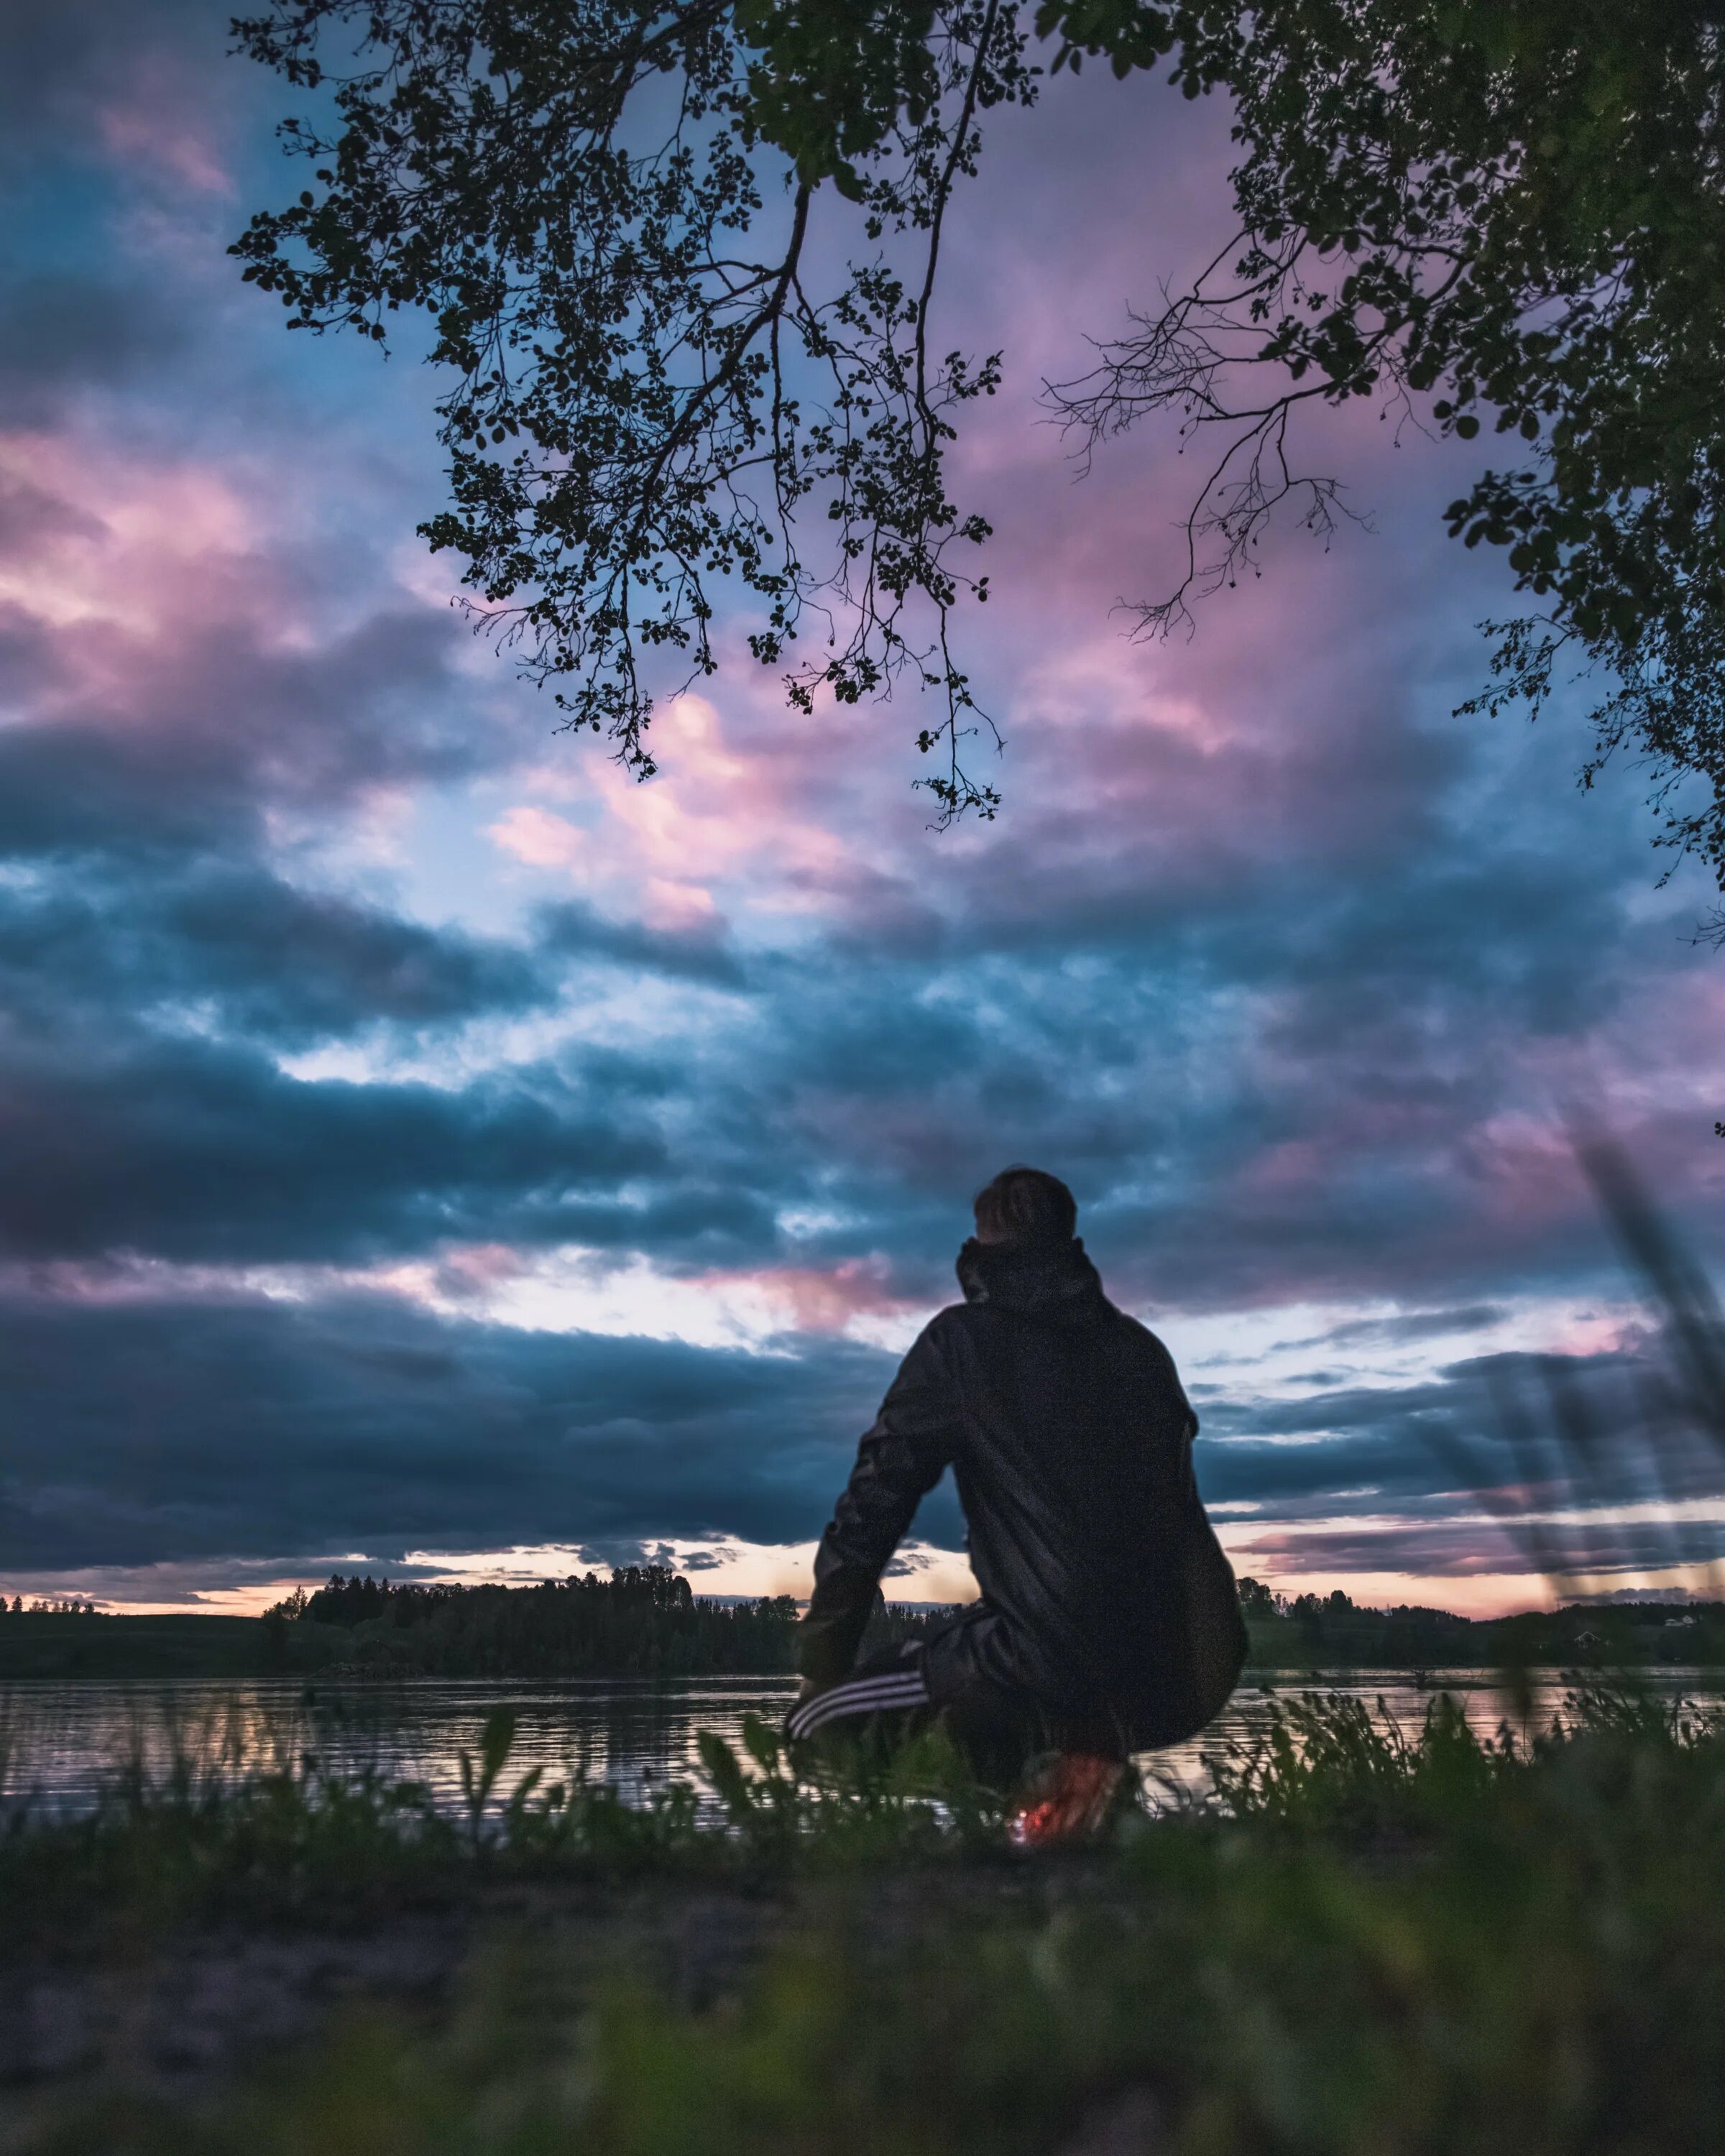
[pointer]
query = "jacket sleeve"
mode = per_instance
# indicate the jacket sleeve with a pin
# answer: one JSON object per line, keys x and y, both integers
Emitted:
{"x": 901, "y": 1458}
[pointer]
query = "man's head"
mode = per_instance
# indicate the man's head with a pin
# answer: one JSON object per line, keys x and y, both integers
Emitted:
{"x": 1023, "y": 1205}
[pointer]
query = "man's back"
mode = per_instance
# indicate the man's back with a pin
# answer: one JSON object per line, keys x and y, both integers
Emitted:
{"x": 1073, "y": 1458}
{"x": 1070, "y": 1437}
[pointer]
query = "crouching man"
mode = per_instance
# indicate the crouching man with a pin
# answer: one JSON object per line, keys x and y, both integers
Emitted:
{"x": 1107, "y": 1621}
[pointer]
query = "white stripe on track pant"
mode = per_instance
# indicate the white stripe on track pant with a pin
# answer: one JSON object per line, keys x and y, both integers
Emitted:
{"x": 890, "y": 1692}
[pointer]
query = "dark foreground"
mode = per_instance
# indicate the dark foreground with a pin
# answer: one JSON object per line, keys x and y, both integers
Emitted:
{"x": 1361, "y": 1945}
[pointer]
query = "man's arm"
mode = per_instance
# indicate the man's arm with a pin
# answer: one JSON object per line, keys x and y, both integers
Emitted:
{"x": 900, "y": 1459}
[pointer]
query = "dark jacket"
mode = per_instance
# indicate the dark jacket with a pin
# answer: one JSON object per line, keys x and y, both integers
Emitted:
{"x": 1103, "y": 1590}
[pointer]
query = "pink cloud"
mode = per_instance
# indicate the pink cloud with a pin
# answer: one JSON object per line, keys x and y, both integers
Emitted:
{"x": 538, "y": 838}
{"x": 160, "y": 124}
{"x": 730, "y": 822}
{"x": 475, "y": 1269}
{"x": 145, "y": 600}
{"x": 96, "y": 540}
{"x": 819, "y": 1299}
{"x": 675, "y": 906}
{"x": 101, "y": 1283}
{"x": 1490, "y": 1592}
{"x": 1296, "y": 1166}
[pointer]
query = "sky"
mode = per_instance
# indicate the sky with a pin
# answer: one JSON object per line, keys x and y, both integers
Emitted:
{"x": 425, "y": 1149}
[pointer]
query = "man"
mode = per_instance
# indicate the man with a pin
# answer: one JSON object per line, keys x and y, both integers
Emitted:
{"x": 1108, "y": 1621}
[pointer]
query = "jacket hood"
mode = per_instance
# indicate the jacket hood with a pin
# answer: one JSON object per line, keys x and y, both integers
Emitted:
{"x": 1045, "y": 1280}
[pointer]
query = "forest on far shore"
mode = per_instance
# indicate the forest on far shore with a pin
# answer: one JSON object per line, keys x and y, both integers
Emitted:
{"x": 646, "y": 1621}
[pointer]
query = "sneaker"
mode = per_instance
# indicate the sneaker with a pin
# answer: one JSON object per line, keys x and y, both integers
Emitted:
{"x": 1067, "y": 1801}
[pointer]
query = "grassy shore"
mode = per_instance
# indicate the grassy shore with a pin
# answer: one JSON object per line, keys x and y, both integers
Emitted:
{"x": 1363, "y": 1942}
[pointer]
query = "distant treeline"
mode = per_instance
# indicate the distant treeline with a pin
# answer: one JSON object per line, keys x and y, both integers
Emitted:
{"x": 645, "y": 1620}
{"x": 1332, "y": 1631}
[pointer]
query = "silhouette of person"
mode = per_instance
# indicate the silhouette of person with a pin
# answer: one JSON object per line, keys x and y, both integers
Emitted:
{"x": 1108, "y": 1620}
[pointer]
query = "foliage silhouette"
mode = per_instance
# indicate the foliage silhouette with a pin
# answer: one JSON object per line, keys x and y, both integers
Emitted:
{"x": 626, "y": 219}
{"x": 608, "y": 210}
{"x": 645, "y": 1621}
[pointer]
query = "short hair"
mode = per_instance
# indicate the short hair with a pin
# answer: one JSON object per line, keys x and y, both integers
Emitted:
{"x": 1025, "y": 1205}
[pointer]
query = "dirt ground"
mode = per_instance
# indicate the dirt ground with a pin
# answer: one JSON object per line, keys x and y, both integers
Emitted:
{"x": 181, "y": 2016}
{"x": 182, "y": 2012}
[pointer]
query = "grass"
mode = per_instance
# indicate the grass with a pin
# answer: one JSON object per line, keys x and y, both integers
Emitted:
{"x": 1366, "y": 1941}
{"x": 228, "y": 1830}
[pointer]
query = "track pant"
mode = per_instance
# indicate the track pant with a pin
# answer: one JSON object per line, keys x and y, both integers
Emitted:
{"x": 887, "y": 1701}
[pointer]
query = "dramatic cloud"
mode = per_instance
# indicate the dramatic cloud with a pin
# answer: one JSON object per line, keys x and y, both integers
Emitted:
{"x": 415, "y": 1134}
{"x": 225, "y": 1426}
{"x": 219, "y": 1427}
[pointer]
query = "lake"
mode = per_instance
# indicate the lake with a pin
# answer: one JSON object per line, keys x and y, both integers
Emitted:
{"x": 59, "y": 1736}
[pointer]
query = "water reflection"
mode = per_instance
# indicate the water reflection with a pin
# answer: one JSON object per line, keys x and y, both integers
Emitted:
{"x": 59, "y": 1738}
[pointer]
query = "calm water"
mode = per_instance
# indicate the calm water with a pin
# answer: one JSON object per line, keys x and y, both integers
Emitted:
{"x": 59, "y": 1736}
